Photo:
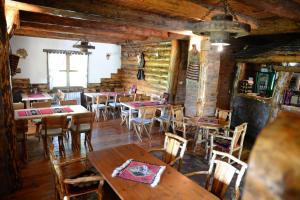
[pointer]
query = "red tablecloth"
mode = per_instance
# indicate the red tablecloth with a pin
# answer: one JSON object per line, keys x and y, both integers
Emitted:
{"x": 38, "y": 95}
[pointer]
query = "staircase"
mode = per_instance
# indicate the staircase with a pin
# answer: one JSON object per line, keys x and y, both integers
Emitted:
{"x": 115, "y": 81}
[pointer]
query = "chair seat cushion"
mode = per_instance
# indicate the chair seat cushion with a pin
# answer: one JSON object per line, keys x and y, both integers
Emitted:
{"x": 139, "y": 120}
{"x": 86, "y": 186}
{"x": 223, "y": 143}
{"x": 114, "y": 104}
{"x": 52, "y": 131}
{"x": 37, "y": 121}
{"x": 82, "y": 127}
{"x": 99, "y": 106}
{"x": 163, "y": 118}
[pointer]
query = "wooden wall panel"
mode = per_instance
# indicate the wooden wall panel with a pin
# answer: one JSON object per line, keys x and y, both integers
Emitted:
{"x": 157, "y": 63}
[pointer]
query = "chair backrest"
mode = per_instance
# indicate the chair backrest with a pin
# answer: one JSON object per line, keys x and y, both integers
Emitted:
{"x": 137, "y": 97}
{"x": 101, "y": 99}
{"x": 83, "y": 118}
{"x": 220, "y": 174}
{"x": 68, "y": 102}
{"x": 41, "y": 104}
{"x": 177, "y": 113}
{"x": 174, "y": 146}
{"x": 18, "y": 106}
{"x": 239, "y": 134}
{"x": 223, "y": 114}
{"x": 54, "y": 122}
{"x": 119, "y": 89}
{"x": 117, "y": 97}
{"x": 148, "y": 112}
{"x": 145, "y": 98}
{"x": 21, "y": 125}
{"x": 125, "y": 98}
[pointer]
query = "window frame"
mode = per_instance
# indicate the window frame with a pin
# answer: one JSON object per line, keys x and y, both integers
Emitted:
{"x": 68, "y": 55}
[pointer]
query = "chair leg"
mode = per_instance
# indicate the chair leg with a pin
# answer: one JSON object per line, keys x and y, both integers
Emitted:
{"x": 45, "y": 146}
{"x": 137, "y": 131}
{"x": 88, "y": 139}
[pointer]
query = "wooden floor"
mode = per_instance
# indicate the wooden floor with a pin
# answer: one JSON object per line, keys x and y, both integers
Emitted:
{"x": 37, "y": 180}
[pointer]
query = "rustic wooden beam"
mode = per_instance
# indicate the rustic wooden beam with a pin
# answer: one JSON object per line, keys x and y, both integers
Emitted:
{"x": 12, "y": 20}
{"x": 66, "y": 36}
{"x": 271, "y": 59}
{"x": 95, "y": 11}
{"x": 9, "y": 173}
{"x": 79, "y": 31}
{"x": 187, "y": 9}
{"x": 283, "y": 8}
{"x": 69, "y": 22}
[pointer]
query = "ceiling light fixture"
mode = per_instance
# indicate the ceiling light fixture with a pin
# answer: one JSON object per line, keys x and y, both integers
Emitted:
{"x": 221, "y": 27}
{"x": 84, "y": 46}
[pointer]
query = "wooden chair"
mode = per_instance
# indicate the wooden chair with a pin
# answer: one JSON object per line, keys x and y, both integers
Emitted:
{"x": 54, "y": 126}
{"x": 71, "y": 183}
{"x": 145, "y": 98}
{"x": 18, "y": 106}
{"x": 164, "y": 119}
{"x": 144, "y": 120}
{"x": 82, "y": 123}
{"x": 224, "y": 115}
{"x": 68, "y": 102}
{"x": 137, "y": 97}
{"x": 173, "y": 150}
{"x": 115, "y": 106}
{"x": 21, "y": 130}
{"x": 232, "y": 143}
{"x": 179, "y": 121}
{"x": 221, "y": 173}
{"x": 125, "y": 111}
{"x": 38, "y": 122}
{"x": 101, "y": 107}
{"x": 119, "y": 89}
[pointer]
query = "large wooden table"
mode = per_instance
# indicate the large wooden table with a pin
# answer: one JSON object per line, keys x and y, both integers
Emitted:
{"x": 35, "y": 97}
{"x": 76, "y": 109}
{"x": 173, "y": 185}
{"x": 136, "y": 105}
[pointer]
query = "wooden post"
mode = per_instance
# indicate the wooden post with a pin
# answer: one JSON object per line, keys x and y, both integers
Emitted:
{"x": 274, "y": 165}
{"x": 8, "y": 155}
{"x": 281, "y": 84}
{"x": 173, "y": 70}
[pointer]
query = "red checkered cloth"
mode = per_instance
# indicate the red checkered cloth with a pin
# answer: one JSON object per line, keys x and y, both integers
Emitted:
{"x": 140, "y": 172}
{"x": 24, "y": 113}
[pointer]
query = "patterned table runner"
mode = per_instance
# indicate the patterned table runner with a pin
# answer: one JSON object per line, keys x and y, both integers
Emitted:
{"x": 44, "y": 111}
{"x": 140, "y": 172}
{"x": 145, "y": 103}
{"x": 208, "y": 120}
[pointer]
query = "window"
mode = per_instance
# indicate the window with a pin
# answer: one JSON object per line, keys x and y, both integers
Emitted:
{"x": 67, "y": 70}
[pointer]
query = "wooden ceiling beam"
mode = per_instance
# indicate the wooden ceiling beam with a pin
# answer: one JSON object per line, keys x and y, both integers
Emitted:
{"x": 283, "y": 8}
{"x": 102, "y": 13}
{"x": 12, "y": 20}
{"x": 49, "y": 19}
{"x": 188, "y": 9}
{"x": 65, "y": 36}
{"x": 79, "y": 31}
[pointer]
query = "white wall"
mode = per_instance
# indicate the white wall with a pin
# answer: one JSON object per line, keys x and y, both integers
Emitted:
{"x": 34, "y": 66}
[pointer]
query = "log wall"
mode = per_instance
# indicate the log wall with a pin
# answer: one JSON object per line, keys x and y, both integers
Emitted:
{"x": 157, "y": 63}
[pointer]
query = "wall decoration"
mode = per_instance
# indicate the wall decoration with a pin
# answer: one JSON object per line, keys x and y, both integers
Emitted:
{"x": 141, "y": 64}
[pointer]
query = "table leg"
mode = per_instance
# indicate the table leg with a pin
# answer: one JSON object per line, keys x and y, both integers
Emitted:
{"x": 130, "y": 116}
{"x": 27, "y": 104}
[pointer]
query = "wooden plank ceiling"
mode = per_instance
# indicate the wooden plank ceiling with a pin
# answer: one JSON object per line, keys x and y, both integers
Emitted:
{"x": 118, "y": 21}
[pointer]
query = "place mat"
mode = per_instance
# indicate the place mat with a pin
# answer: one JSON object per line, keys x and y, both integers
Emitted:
{"x": 139, "y": 172}
{"x": 24, "y": 113}
{"x": 38, "y": 95}
{"x": 208, "y": 120}
{"x": 145, "y": 103}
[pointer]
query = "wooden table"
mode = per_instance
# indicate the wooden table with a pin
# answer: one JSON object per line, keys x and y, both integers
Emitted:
{"x": 137, "y": 105}
{"x": 35, "y": 97}
{"x": 93, "y": 95}
{"x": 173, "y": 185}
{"x": 76, "y": 109}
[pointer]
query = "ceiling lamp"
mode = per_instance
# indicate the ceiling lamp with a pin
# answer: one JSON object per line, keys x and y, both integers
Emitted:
{"x": 84, "y": 46}
{"x": 221, "y": 27}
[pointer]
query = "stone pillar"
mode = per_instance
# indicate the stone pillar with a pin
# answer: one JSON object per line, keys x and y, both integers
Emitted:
{"x": 208, "y": 80}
